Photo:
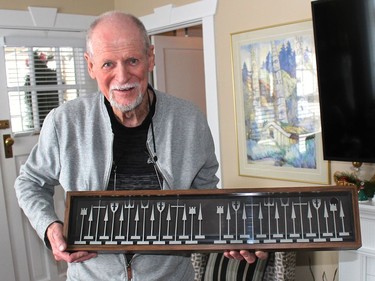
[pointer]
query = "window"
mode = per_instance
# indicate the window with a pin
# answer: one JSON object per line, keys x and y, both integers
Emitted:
{"x": 42, "y": 78}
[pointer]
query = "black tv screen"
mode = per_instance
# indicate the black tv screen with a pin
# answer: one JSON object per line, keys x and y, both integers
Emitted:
{"x": 344, "y": 34}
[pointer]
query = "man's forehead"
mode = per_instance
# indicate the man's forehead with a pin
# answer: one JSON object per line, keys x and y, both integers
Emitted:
{"x": 122, "y": 34}
{"x": 125, "y": 45}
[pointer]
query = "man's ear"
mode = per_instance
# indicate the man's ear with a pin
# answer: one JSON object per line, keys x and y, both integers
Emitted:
{"x": 90, "y": 65}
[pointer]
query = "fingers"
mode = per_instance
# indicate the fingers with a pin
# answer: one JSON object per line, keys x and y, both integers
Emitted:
{"x": 80, "y": 256}
{"x": 55, "y": 237}
{"x": 58, "y": 246}
{"x": 261, "y": 255}
{"x": 250, "y": 257}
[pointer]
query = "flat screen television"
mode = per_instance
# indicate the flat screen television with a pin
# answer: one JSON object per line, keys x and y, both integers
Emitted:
{"x": 344, "y": 34}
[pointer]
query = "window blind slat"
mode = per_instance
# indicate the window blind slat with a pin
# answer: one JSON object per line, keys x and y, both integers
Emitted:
{"x": 41, "y": 78}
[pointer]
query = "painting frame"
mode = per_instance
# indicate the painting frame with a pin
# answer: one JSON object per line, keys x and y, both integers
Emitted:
{"x": 277, "y": 107}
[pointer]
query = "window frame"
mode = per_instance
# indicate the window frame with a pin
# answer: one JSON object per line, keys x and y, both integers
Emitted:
{"x": 83, "y": 83}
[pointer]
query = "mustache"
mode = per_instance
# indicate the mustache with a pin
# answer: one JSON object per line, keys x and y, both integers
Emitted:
{"x": 124, "y": 87}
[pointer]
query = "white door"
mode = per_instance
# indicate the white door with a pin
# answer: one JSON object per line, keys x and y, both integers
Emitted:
{"x": 179, "y": 68}
{"x": 23, "y": 255}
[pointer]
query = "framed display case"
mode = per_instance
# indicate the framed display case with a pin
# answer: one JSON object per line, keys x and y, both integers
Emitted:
{"x": 213, "y": 220}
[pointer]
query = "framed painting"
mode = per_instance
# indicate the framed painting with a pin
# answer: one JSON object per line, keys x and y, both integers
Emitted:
{"x": 277, "y": 104}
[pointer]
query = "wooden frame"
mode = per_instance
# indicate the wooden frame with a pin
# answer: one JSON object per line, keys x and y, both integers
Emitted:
{"x": 277, "y": 104}
{"x": 213, "y": 220}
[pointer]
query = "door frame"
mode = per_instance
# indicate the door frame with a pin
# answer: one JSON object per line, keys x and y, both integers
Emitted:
{"x": 167, "y": 18}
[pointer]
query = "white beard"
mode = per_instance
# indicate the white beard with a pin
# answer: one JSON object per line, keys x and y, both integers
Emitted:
{"x": 129, "y": 107}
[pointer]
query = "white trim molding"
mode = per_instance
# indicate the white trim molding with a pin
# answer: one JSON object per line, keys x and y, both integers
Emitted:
{"x": 170, "y": 17}
{"x": 43, "y": 19}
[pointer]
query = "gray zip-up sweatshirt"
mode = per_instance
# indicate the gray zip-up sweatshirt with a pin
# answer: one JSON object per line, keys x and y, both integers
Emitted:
{"x": 75, "y": 151}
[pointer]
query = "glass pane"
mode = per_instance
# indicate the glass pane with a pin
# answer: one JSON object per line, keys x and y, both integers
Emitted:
{"x": 40, "y": 79}
{"x": 21, "y": 115}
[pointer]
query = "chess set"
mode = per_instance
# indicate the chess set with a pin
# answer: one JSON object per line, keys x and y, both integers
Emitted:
{"x": 316, "y": 218}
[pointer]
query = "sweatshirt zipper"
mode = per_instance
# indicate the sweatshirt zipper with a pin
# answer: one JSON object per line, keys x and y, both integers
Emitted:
{"x": 129, "y": 270}
{"x": 129, "y": 267}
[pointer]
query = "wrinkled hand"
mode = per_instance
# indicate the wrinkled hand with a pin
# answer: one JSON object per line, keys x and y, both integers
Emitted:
{"x": 250, "y": 257}
{"x": 58, "y": 246}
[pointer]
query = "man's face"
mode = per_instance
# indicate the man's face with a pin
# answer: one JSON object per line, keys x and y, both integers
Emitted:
{"x": 120, "y": 64}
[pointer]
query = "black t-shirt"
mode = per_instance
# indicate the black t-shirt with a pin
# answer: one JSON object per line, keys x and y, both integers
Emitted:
{"x": 132, "y": 167}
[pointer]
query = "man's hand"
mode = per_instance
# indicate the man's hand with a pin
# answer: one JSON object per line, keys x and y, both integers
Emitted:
{"x": 58, "y": 246}
{"x": 246, "y": 255}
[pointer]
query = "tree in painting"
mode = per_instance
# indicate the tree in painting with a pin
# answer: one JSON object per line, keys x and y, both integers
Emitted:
{"x": 280, "y": 102}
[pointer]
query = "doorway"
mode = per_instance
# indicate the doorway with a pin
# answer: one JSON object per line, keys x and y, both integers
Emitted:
{"x": 179, "y": 64}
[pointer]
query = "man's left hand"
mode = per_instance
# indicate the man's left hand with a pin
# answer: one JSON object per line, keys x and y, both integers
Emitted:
{"x": 250, "y": 257}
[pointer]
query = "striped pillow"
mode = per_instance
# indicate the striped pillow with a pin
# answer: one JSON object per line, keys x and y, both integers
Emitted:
{"x": 220, "y": 268}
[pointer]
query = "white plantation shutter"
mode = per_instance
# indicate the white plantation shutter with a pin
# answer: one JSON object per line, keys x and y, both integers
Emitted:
{"x": 40, "y": 78}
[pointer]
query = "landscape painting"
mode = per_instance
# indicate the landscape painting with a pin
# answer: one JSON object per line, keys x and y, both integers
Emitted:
{"x": 277, "y": 104}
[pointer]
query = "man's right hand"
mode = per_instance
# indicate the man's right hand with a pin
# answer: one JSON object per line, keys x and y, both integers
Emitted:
{"x": 58, "y": 246}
